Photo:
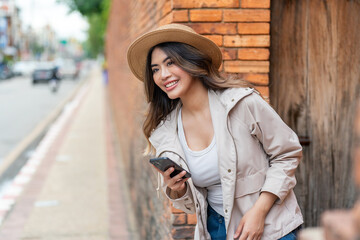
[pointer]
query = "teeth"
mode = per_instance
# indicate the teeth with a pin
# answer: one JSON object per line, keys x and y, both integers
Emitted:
{"x": 171, "y": 84}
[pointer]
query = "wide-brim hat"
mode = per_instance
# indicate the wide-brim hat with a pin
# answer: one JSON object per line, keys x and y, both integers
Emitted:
{"x": 138, "y": 49}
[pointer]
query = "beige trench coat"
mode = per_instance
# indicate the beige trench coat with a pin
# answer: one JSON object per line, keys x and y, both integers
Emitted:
{"x": 257, "y": 152}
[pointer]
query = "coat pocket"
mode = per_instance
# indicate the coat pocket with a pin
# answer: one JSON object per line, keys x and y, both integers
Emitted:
{"x": 250, "y": 184}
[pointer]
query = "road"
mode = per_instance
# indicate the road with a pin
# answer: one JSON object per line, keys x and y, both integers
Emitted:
{"x": 23, "y": 106}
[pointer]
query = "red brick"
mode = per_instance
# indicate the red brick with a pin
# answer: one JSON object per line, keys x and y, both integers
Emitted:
{"x": 217, "y": 39}
{"x": 257, "y": 79}
{"x": 246, "y": 66}
{"x": 166, "y": 20}
{"x": 221, "y": 68}
{"x": 175, "y": 210}
{"x": 183, "y": 232}
{"x": 255, "y": 4}
{"x": 253, "y": 28}
{"x": 205, "y": 15}
{"x": 247, "y": 41}
{"x": 191, "y": 219}
{"x": 214, "y": 28}
{"x": 166, "y": 8}
{"x": 229, "y": 53}
{"x": 180, "y": 16}
{"x": 178, "y": 219}
{"x": 264, "y": 91}
{"x": 205, "y": 3}
{"x": 246, "y": 15}
{"x": 253, "y": 54}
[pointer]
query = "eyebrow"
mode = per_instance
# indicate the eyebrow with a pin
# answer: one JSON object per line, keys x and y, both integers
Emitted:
{"x": 154, "y": 65}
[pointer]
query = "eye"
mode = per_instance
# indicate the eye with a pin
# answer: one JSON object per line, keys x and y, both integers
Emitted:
{"x": 154, "y": 70}
{"x": 170, "y": 62}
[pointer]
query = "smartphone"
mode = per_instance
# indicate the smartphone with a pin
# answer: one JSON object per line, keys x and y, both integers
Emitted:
{"x": 164, "y": 163}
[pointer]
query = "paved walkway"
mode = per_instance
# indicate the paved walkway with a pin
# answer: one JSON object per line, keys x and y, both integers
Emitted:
{"x": 72, "y": 188}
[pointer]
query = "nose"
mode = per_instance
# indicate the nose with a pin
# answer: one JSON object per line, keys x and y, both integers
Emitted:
{"x": 165, "y": 73}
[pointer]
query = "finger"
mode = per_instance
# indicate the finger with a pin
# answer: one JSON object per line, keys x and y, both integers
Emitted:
{"x": 185, "y": 179}
{"x": 238, "y": 230}
{"x": 244, "y": 236}
{"x": 251, "y": 236}
{"x": 166, "y": 174}
{"x": 169, "y": 171}
{"x": 179, "y": 176}
{"x": 179, "y": 185}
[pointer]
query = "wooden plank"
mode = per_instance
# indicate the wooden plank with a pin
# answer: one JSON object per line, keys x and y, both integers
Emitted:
{"x": 314, "y": 85}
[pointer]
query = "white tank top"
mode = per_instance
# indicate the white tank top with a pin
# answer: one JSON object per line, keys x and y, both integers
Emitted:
{"x": 203, "y": 166}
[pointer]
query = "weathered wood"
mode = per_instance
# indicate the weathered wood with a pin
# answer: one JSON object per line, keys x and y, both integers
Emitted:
{"x": 314, "y": 84}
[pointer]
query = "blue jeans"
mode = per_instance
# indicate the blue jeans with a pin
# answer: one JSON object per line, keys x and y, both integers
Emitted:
{"x": 217, "y": 230}
{"x": 292, "y": 235}
{"x": 215, "y": 224}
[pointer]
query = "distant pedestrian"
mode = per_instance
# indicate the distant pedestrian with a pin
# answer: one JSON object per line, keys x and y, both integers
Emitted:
{"x": 105, "y": 73}
{"x": 242, "y": 157}
{"x": 55, "y": 79}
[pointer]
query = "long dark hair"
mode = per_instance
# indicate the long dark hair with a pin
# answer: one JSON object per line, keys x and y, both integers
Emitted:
{"x": 194, "y": 62}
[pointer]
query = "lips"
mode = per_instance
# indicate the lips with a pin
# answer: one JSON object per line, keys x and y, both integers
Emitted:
{"x": 171, "y": 84}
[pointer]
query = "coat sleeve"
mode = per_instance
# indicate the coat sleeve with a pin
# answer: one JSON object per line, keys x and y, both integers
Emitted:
{"x": 279, "y": 142}
{"x": 184, "y": 203}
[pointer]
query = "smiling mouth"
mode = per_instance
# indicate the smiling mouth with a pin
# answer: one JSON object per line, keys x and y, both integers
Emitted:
{"x": 171, "y": 84}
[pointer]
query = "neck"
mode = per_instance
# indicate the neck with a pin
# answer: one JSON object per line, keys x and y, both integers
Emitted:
{"x": 196, "y": 100}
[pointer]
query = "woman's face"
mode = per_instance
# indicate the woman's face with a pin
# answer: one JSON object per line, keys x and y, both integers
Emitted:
{"x": 170, "y": 78}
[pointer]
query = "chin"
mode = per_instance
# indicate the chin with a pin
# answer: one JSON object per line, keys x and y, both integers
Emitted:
{"x": 172, "y": 96}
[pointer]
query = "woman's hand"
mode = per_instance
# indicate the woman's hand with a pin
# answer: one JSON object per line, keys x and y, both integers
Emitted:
{"x": 251, "y": 226}
{"x": 176, "y": 184}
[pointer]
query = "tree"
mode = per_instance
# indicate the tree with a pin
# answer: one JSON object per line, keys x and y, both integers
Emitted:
{"x": 96, "y": 12}
{"x": 85, "y": 7}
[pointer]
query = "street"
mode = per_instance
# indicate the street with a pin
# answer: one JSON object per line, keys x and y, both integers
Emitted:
{"x": 69, "y": 188}
{"x": 23, "y": 106}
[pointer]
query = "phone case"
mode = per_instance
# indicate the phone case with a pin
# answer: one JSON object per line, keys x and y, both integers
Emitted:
{"x": 165, "y": 163}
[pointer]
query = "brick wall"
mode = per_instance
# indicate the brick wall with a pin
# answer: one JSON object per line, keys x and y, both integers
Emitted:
{"x": 240, "y": 28}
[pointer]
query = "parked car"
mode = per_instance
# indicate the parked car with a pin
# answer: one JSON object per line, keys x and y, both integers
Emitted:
{"x": 67, "y": 68}
{"x": 44, "y": 72}
{"x": 24, "y": 68}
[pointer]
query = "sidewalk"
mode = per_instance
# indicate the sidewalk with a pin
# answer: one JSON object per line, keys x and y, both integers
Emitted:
{"x": 72, "y": 188}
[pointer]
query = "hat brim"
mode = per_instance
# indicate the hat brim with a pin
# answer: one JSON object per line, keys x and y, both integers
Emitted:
{"x": 138, "y": 50}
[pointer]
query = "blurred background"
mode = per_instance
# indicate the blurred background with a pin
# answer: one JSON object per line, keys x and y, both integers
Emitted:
{"x": 44, "y": 44}
{"x": 302, "y": 55}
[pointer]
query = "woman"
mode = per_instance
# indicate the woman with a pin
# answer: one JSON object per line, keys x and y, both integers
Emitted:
{"x": 241, "y": 155}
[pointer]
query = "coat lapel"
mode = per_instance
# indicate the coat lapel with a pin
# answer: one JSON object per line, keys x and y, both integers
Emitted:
{"x": 226, "y": 152}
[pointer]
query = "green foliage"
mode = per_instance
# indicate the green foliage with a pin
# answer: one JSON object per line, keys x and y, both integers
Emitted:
{"x": 95, "y": 35}
{"x": 85, "y": 7}
{"x": 96, "y": 13}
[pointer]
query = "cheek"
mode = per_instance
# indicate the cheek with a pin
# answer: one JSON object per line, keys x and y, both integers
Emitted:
{"x": 156, "y": 81}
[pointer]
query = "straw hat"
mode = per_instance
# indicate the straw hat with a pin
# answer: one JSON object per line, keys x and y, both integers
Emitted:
{"x": 139, "y": 49}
